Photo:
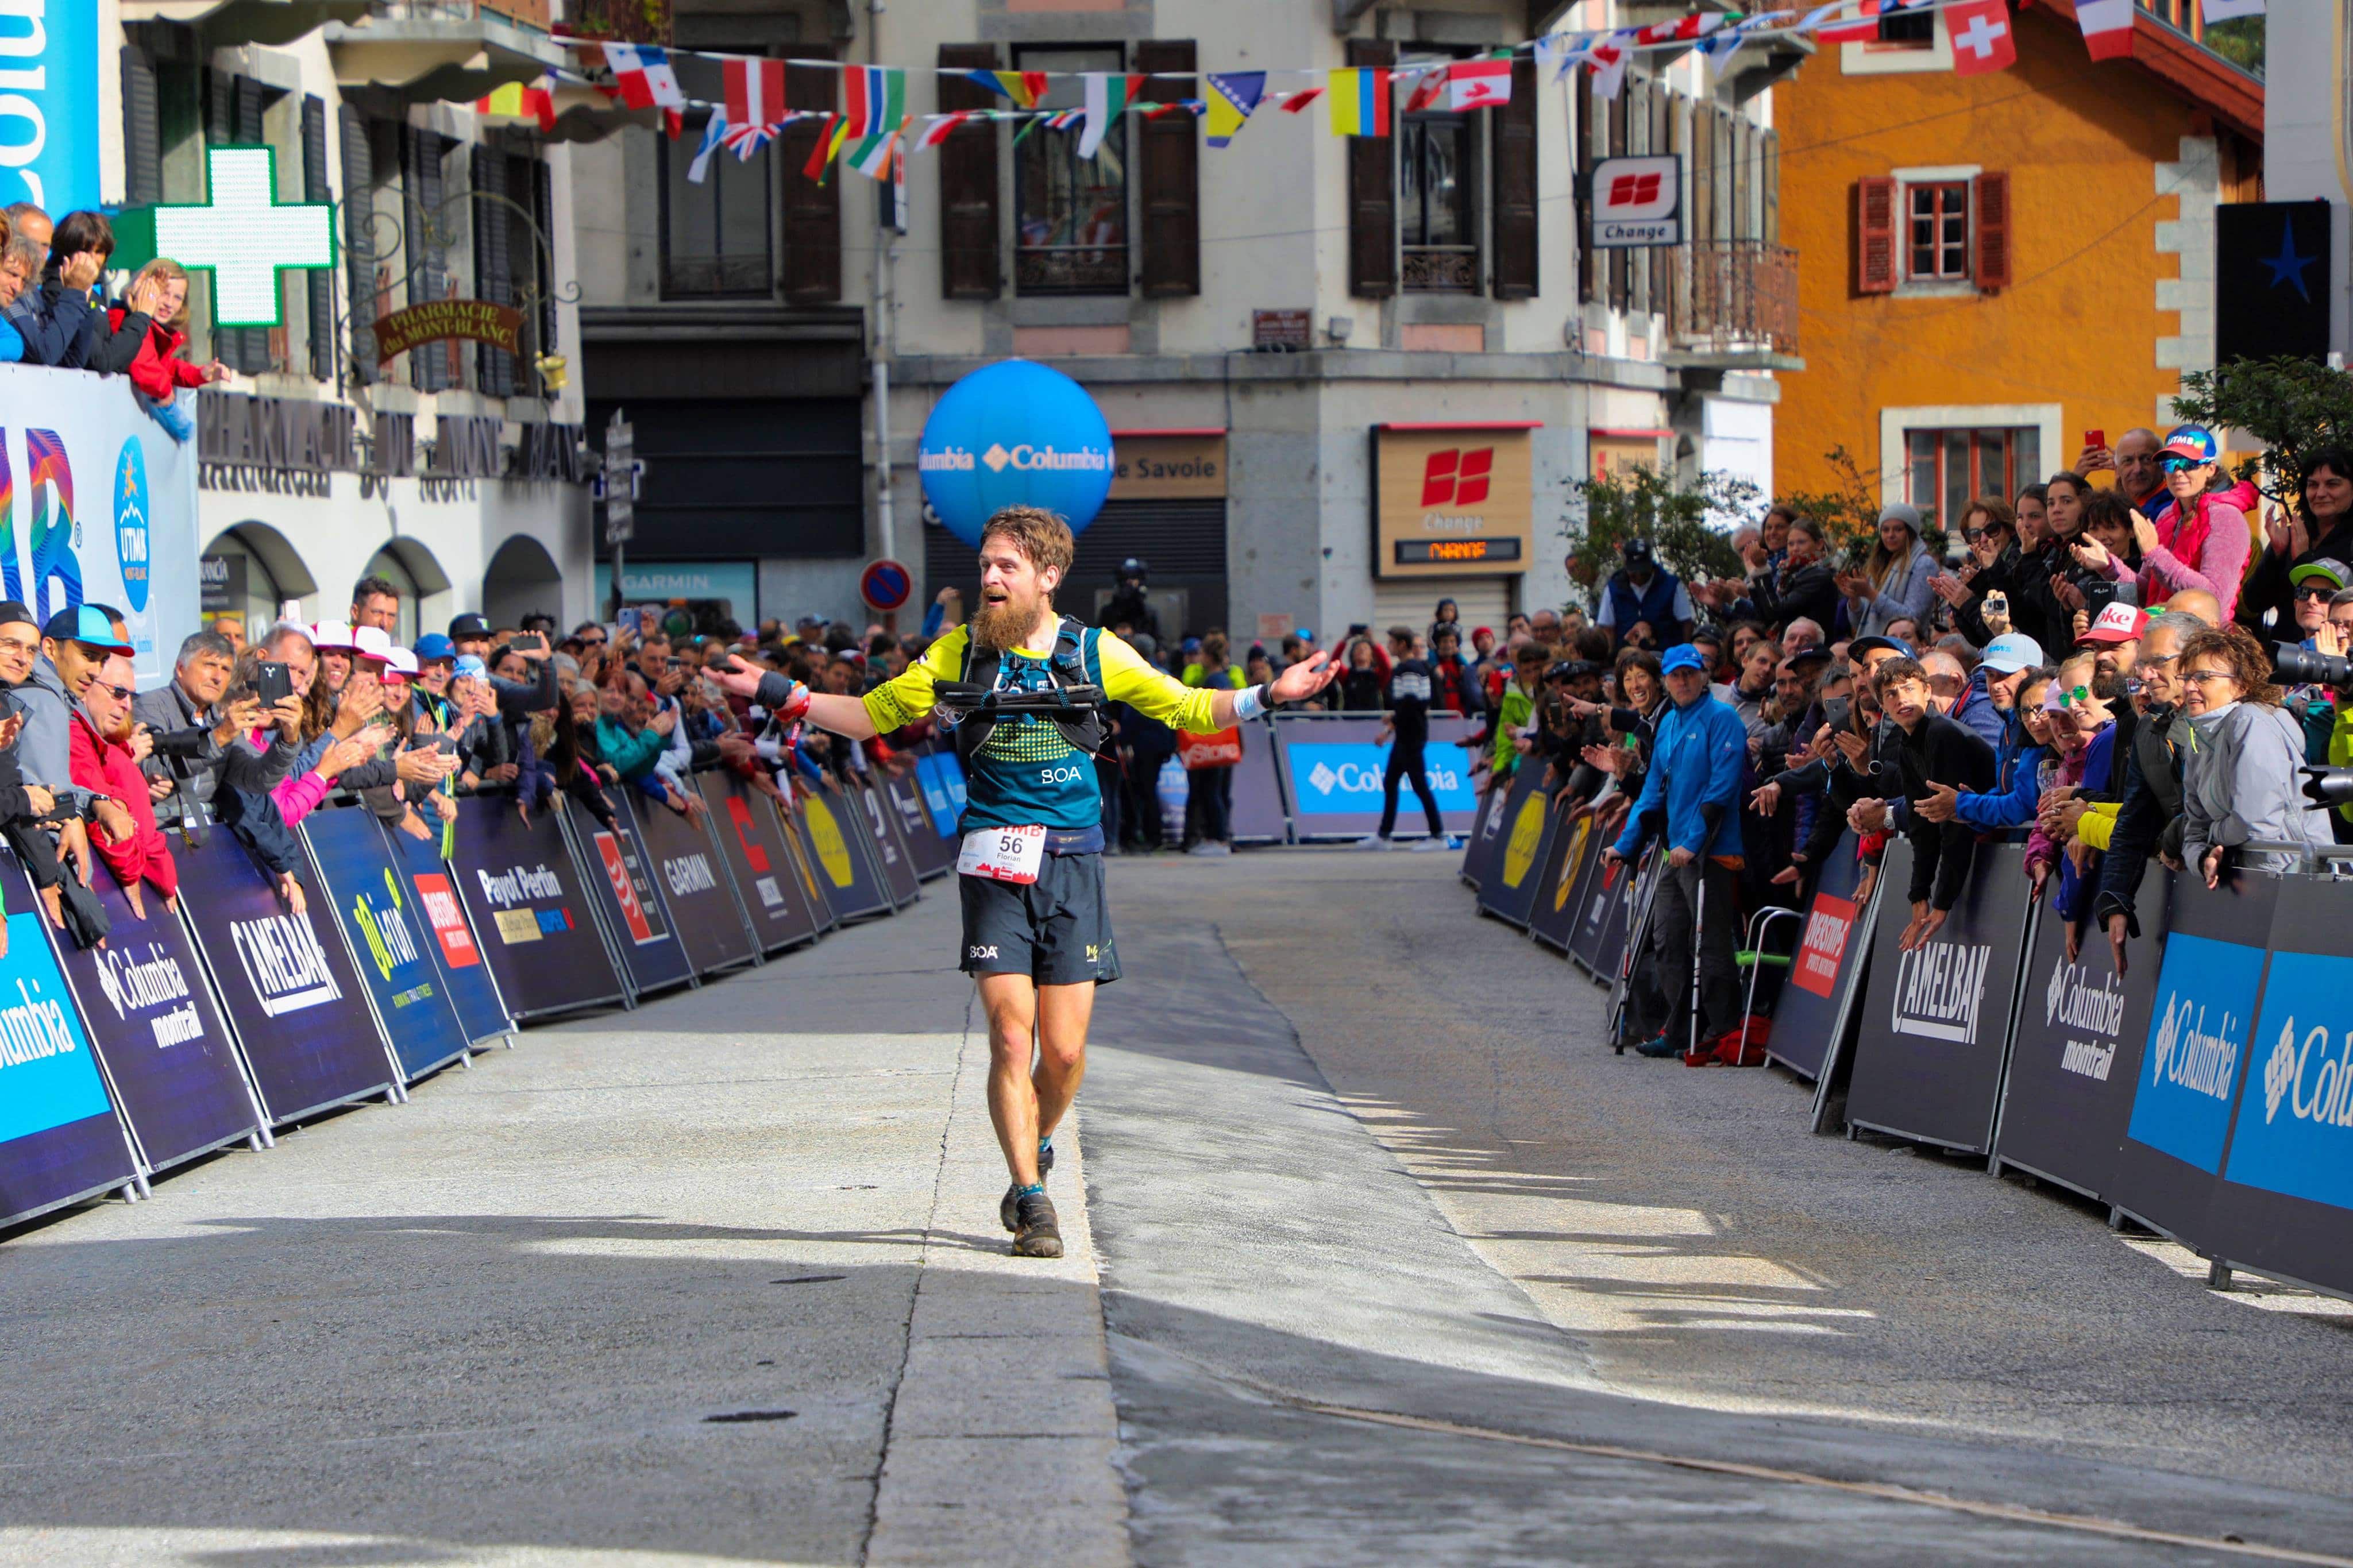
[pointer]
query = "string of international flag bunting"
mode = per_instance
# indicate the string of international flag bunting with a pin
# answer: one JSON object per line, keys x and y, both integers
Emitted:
{"x": 868, "y": 127}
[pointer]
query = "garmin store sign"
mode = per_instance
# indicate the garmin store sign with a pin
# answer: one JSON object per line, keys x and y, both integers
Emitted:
{"x": 1015, "y": 434}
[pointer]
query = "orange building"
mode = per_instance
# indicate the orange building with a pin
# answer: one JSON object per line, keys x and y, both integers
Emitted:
{"x": 1994, "y": 265}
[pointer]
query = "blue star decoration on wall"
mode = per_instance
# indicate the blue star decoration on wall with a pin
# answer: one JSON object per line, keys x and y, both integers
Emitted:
{"x": 2287, "y": 266}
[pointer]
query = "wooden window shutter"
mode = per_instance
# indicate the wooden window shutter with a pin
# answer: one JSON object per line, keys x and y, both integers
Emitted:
{"x": 494, "y": 368}
{"x": 1992, "y": 204}
{"x": 1169, "y": 197}
{"x": 143, "y": 129}
{"x": 543, "y": 207}
{"x": 1372, "y": 193}
{"x": 1587, "y": 116}
{"x": 971, "y": 267}
{"x": 1875, "y": 236}
{"x": 812, "y": 211}
{"x": 1515, "y": 185}
{"x": 359, "y": 258}
{"x": 319, "y": 285}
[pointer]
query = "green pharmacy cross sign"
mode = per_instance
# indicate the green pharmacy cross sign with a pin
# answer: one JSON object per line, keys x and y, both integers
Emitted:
{"x": 245, "y": 237}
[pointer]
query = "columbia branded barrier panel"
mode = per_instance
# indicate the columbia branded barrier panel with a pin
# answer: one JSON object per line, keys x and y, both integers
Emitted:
{"x": 694, "y": 884}
{"x": 826, "y": 822}
{"x": 1332, "y": 775}
{"x": 528, "y": 903}
{"x": 1936, "y": 1020}
{"x": 752, "y": 837}
{"x": 934, "y": 856}
{"x": 2076, "y": 1051}
{"x": 427, "y": 883}
{"x": 626, "y": 898}
{"x": 1258, "y": 814}
{"x": 2285, "y": 1203}
{"x": 386, "y": 943}
{"x": 143, "y": 1001}
{"x": 1487, "y": 838}
{"x": 892, "y": 860}
{"x": 60, "y": 1140}
{"x": 1509, "y": 890}
{"x": 2207, "y": 991}
{"x": 1832, "y": 950}
{"x": 285, "y": 980}
{"x": 1567, "y": 870}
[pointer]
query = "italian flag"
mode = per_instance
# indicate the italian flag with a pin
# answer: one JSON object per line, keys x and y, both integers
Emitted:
{"x": 1107, "y": 95}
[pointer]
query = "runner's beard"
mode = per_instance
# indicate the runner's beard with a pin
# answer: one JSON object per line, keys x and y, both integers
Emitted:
{"x": 1006, "y": 624}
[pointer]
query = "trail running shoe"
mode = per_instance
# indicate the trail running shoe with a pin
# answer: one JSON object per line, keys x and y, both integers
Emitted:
{"x": 1660, "y": 1046}
{"x": 1038, "y": 1236}
{"x": 1009, "y": 1210}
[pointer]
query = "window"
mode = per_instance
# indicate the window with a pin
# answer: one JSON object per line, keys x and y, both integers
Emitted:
{"x": 1438, "y": 183}
{"x": 1918, "y": 30}
{"x": 1070, "y": 213}
{"x": 715, "y": 234}
{"x": 1948, "y": 468}
{"x": 1936, "y": 232}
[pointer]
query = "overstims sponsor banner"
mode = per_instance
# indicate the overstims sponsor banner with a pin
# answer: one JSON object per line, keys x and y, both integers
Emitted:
{"x": 59, "y": 1139}
{"x": 285, "y": 979}
{"x": 427, "y": 885}
{"x": 1935, "y": 1021}
{"x": 1831, "y": 948}
{"x": 1510, "y": 891}
{"x": 752, "y": 836}
{"x": 2208, "y": 988}
{"x": 2075, "y": 1052}
{"x": 695, "y": 883}
{"x": 626, "y": 893}
{"x": 143, "y": 999}
{"x": 529, "y": 904}
{"x": 386, "y": 941}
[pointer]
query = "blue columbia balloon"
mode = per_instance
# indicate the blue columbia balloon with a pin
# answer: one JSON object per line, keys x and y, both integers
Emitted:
{"x": 1011, "y": 433}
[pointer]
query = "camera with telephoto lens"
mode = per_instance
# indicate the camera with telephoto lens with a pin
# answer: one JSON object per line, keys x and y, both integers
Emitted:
{"x": 2302, "y": 667}
{"x": 182, "y": 745}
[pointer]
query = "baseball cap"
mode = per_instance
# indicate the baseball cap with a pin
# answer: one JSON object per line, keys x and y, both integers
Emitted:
{"x": 1571, "y": 669}
{"x": 371, "y": 642}
{"x": 2336, "y": 571}
{"x": 332, "y": 636}
{"x": 399, "y": 661}
{"x": 433, "y": 646}
{"x": 1636, "y": 549}
{"x": 1860, "y": 646}
{"x": 470, "y": 664}
{"x": 2013, "y": 651}
{"x": 1305, "y": 634}
{"x": 1683, "y": 656}
{"x": 85, "y": 624}
{"x": 1813, "y": 653}
{"x": 2118, "y": 623}
{"x": 14, "y": 612}
{"x": 2192, "y": 441}
{"x": 469, "y": 625}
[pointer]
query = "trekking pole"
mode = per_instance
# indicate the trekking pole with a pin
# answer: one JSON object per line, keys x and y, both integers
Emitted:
{"x": 1699, "y": 925}
{"x": 1621, "y": 987}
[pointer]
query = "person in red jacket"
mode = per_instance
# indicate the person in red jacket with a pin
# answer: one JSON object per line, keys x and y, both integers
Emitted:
{"x": 159, "y": 292}
{"x": 110, "y": 768}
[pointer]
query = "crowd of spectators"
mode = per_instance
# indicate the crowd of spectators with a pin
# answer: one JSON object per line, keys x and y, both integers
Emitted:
{"x": 2088, "y": 675}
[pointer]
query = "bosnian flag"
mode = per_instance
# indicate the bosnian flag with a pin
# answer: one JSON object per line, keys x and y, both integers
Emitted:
{"x": 1478, "y": 84}
{"x": 755, "y": 91}
{"x": 1231, "y": 97}
{"x": 1981, "y": 37}
{"x": 2107, "y": 27}
{"x": 643, "y": 74}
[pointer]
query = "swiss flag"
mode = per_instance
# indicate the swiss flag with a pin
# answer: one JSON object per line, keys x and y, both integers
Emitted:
{"x": 1478, "y": 84}
{"x": 1981, "y": 35}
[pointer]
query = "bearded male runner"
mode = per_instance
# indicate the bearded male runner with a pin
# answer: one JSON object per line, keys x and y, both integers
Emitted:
{"x": 1037, "y": 937}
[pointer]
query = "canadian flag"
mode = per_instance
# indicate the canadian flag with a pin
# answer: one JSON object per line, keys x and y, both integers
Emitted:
{"x": 755, "y": 91}
{"x": 1478, "y": 84}
{"x": 1981, "y": 37}
{"x": 2107, "y": 27}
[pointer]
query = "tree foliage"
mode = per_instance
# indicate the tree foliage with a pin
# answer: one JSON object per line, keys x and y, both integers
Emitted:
{"x": 2292, "y": 406}
{"x": 1848, "y": 510}
{"x": 1689, "y": 526}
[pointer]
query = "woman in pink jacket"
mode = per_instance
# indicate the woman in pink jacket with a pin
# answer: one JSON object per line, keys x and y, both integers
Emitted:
{"x": 2200, "y": 537}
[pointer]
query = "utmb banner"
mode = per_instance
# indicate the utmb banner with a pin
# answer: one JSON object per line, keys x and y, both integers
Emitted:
{"x": 96, "y": 504}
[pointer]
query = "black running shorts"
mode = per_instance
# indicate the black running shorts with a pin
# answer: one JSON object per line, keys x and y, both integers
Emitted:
{"x": 1055, "y": 929}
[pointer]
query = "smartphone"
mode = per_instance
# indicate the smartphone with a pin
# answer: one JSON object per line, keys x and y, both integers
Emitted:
{"x": 272, "y": 683}
{"x": 677, "y": 663}
{"x": 631, "y": 619}
{"x": 2095, "y": 438}
{"x": 533, "y": 642}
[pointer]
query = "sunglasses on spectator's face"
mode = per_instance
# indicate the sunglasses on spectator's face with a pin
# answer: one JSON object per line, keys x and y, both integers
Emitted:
{"x": 120, "y": 693}
{"x": 2182, "y": 464}
{"x": 2315, "y": 591}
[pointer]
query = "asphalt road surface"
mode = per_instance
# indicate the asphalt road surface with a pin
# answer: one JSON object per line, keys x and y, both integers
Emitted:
{"x": 1382, "y": 1257}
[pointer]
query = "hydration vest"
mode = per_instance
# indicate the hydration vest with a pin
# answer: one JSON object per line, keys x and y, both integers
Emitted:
{"x": 1084, "y": 727}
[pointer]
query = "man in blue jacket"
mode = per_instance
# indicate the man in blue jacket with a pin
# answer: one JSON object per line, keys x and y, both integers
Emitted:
{"x": 1691, "y": 797}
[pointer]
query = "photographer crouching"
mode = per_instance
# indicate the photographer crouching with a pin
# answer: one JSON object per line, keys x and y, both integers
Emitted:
{"x": 204, "y": 741}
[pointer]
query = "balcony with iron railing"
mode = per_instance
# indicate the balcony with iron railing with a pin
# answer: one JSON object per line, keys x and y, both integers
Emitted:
{"x": 451, "y": 50}
{"x": 1730, "y": 304}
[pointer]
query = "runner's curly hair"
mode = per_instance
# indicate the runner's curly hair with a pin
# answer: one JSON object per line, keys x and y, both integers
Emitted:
{"x": 1037, "y": 534}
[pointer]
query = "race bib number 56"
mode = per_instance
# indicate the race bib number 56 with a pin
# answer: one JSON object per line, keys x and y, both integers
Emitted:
{"x": 1003, "y": 854}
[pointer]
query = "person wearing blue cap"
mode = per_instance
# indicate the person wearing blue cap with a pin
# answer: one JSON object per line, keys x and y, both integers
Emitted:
{"x": 1690, "y": 802}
